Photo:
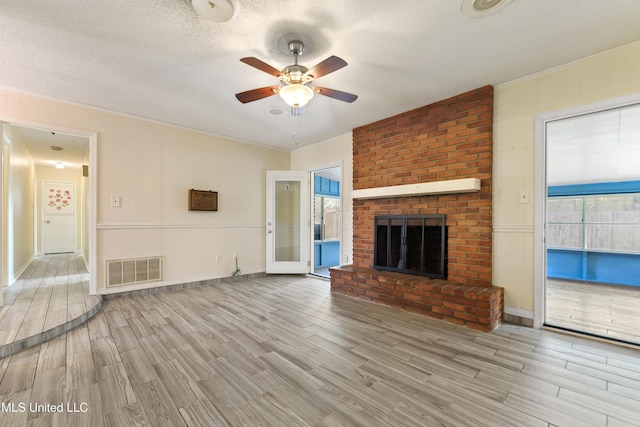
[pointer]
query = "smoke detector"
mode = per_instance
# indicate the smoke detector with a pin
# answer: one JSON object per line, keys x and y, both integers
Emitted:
{"x": 276, "y": 111}
{"x": 480, "y": 8}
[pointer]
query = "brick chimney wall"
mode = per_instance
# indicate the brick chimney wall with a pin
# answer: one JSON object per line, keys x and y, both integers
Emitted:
{"x": 450, "y": 139}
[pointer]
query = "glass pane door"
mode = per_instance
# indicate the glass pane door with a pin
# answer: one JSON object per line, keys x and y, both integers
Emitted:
{"x": 287, "y": 221}
{"x": 286, "y": 218}
{"x": 592, "y": 224}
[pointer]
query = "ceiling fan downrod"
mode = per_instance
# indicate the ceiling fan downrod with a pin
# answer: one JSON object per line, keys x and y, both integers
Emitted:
{"x": 295, "y": 48}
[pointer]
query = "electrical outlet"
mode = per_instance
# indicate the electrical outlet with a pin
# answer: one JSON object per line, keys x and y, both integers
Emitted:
{"x": 217, "y": 258}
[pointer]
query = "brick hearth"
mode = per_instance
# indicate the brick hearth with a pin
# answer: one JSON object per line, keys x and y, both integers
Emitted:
{"x": 478, "y": 307}
{"x": 450, "y": 139}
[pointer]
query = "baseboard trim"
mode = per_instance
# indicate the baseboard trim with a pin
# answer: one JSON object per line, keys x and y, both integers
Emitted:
{"x": 518, "y": 316}
{"x": 180, "y": 286}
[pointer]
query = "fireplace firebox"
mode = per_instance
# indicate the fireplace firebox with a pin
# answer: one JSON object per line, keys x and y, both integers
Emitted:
{"x": 411, "y": 244}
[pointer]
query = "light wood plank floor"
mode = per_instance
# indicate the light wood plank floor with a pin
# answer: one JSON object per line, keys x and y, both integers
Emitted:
{"x": 608, "y": 311}
{"x": 52, "y": 291}
{"x": 283, "y": 351}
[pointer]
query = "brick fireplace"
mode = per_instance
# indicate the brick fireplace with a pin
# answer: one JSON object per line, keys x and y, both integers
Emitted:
{"x": 448, "y": 140}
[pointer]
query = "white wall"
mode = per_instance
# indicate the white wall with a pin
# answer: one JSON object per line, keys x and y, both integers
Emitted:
{"x": 335, "y": 151}
{"x": 152, "y": 166}
{"x": 608, "y": 75}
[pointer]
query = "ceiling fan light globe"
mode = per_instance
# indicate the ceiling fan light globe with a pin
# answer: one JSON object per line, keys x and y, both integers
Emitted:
{"x": 296, "y": 95}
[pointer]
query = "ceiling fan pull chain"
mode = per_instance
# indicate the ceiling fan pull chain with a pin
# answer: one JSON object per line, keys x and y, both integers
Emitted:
{"x": 294, "y": 125}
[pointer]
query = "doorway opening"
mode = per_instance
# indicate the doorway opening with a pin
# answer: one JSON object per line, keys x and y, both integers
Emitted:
{"x": 326, "y": 219}
{"x": 287, "y": 213}
{"x": 35, "y": 156}
{"x": 592, "y": 223}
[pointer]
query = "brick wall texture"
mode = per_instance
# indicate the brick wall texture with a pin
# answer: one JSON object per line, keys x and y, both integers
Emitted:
{"x": 450, "y": 139}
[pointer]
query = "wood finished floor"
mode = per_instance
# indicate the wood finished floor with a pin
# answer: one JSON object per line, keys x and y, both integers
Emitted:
{"x": 283, "y": 351}
{"x": 608, "y": 311}
{"x": 53, "y": 290}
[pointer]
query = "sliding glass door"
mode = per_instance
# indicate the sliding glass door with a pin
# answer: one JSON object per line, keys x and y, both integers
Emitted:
{"x": 592, "y": 224}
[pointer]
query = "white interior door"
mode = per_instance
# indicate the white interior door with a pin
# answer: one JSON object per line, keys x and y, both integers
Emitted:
{"x": 59, "y": 214}
{"x": 287, "y": 222}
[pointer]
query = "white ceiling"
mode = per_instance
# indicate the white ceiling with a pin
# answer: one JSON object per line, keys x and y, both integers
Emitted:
{"x": 158, "y": 59}
{"x": 74, "y": 153}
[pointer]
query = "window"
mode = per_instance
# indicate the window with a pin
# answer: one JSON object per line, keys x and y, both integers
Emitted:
{"x": 604, "y": 222}
{"x": 326, "y": 218}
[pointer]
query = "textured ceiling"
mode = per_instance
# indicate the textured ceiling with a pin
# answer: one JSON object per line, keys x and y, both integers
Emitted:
{"x": 158, "y": 59}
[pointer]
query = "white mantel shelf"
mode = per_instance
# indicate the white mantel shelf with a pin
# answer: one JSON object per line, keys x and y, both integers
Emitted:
{"x": 466, "y": 185}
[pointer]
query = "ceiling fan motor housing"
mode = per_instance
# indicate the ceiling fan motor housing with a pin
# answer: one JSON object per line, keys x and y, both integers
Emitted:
{"x": 296, "y": 74}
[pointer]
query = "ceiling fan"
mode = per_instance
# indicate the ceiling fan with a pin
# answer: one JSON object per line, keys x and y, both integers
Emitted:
{"x": 297, "y": 80}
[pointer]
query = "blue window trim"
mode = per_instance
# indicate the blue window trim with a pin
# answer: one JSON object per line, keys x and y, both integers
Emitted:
{"x": 326, "y": 187}
{"x": 619, "y": 187}
{"x": 594, "y": 266}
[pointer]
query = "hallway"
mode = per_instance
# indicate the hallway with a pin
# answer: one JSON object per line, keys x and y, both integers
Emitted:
{"x": 50, "y": 297}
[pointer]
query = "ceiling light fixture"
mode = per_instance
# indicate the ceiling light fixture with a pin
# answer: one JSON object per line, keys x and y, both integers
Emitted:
{"x": 297, "y": 79}
{"x": 59, "y": 165}
{"x": 214, "y": 10}
{"x": 296, "y": 95}
{"x": 480, "y": 8}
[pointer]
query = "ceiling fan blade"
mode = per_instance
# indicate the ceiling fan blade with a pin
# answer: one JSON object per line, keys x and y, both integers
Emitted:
{"x": 335, "y": 94}
{"x": 255, "y": 94}
{"x": 260, "y": 65}
{"x": 327, "y": 66}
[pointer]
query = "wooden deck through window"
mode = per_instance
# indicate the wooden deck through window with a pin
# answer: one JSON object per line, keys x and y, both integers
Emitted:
{"x": 608, "y": 311}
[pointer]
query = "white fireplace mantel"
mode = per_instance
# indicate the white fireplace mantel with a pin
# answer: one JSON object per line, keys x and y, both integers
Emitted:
{"x": 465, "y": 185}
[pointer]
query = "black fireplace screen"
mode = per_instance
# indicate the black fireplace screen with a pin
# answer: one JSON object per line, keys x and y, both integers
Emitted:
{"x": 413, "y": 244}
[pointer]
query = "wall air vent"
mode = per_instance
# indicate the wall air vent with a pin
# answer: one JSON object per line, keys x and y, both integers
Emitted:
{"x": 132, "y": 271}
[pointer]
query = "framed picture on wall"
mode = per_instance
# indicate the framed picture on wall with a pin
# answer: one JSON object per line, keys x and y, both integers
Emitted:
{"x": 202, "y": 200}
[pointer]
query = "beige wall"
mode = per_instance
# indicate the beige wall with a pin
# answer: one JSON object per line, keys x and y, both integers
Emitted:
{"x": 608, "y": 75}
{"x": 20, "y": 209}
{"x": 335, "y": 151}
{"x": 85, "y": 193}
{"x": 151, "y": 167}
